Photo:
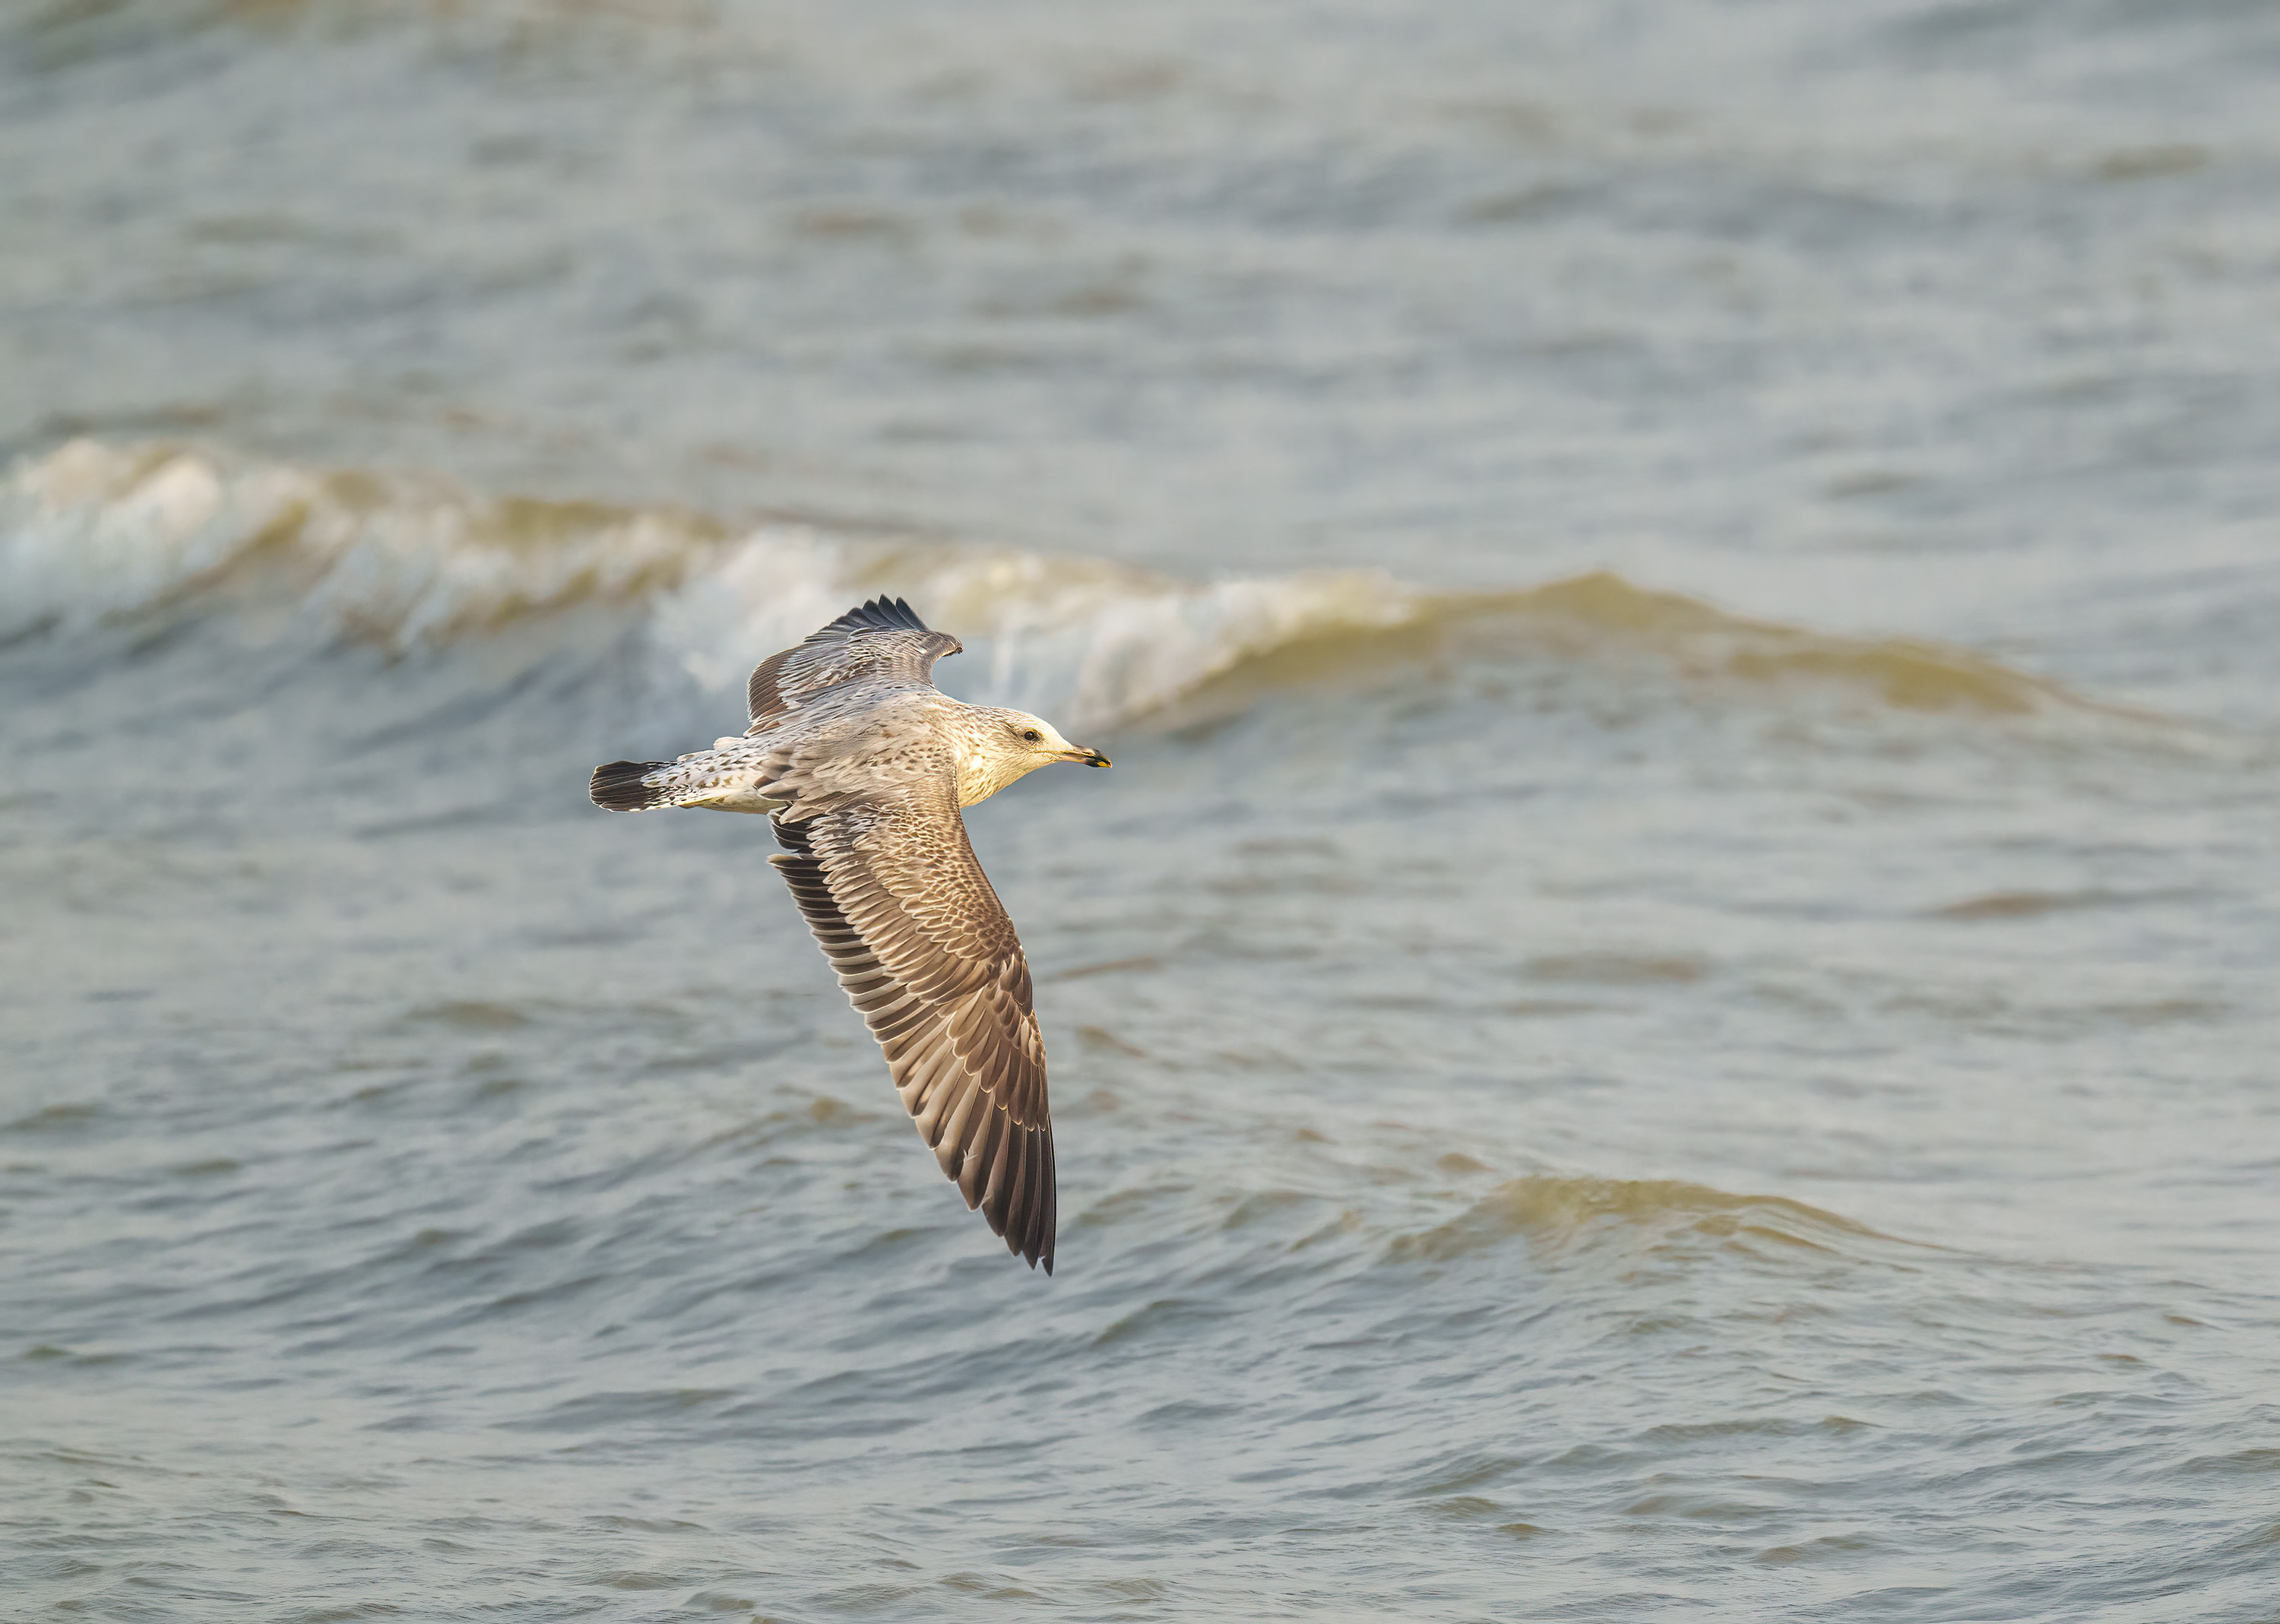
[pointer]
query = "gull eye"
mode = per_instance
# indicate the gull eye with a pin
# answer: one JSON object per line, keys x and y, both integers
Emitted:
{"x": 1033, "y": 736}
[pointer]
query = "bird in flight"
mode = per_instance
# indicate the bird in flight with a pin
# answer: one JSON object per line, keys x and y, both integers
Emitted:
{"x": 862, "y": 764}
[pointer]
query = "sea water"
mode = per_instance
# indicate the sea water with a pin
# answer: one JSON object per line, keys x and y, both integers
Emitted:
{"x": 1667, "y": 1011}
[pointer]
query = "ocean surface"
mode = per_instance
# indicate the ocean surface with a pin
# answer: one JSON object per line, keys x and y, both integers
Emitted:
{"x": 1669, "y": 1013}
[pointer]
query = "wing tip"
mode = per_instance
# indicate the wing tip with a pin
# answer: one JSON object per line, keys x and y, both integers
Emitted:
{"x": 1029, "y": 1226}
{"x": 880, "y": 614}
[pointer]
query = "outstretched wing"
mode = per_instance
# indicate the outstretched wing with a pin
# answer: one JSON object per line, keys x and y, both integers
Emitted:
{"x": 882, "y": 638}
{"x": 894, "y": 893}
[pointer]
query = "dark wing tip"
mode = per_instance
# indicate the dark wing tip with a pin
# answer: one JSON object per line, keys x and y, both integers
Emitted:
{"x": 1006, "y": 1172}
{"x": 1030, "y": 1227}
{"x": 880, "y": 614}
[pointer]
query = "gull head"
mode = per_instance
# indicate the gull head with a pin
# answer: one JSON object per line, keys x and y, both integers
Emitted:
{"x": 998, "y": 746}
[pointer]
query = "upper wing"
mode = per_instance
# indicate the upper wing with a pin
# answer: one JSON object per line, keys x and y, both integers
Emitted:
{"x": 895, "y": 895}
{"x": 883, "y": 637}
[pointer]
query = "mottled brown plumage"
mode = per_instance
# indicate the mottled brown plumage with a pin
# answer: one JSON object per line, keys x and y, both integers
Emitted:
{"x": 863, "y": 765}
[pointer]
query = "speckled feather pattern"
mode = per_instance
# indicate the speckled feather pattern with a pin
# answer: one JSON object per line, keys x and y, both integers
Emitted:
{"x": 864, "y": 764}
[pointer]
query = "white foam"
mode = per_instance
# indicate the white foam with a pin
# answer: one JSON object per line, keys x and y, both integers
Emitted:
{"x": 1086, "y": 642}
{"x": 93, "y": 531}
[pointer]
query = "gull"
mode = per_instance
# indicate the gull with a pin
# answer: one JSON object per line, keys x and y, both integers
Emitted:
{"x": 862, "y": 765}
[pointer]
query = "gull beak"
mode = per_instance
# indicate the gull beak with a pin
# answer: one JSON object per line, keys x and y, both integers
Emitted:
{"x": 1091, "y": 757}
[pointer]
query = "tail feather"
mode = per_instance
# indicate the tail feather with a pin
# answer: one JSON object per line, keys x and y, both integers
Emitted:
{"x": 623, "y": 786}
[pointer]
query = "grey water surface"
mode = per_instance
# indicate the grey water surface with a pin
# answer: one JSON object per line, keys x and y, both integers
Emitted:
{"x": 1668, "y": 1012}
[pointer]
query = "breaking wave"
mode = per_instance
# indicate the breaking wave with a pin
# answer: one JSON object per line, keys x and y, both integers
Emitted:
{"x": 93, "y": 532}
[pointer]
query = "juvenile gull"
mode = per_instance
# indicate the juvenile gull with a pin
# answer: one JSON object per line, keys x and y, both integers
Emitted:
{"x": 862, "y": 764}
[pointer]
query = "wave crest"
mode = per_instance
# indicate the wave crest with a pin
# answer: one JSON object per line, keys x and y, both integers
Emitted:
{"x": 1558, "y": 1214}
{"x": 92, "y": 531}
